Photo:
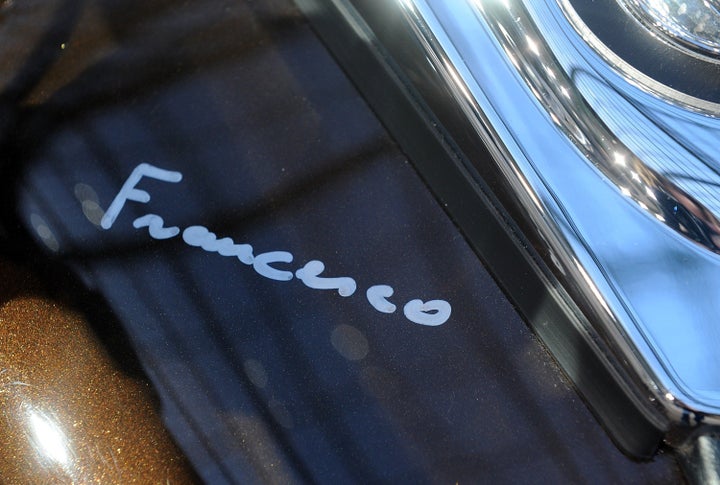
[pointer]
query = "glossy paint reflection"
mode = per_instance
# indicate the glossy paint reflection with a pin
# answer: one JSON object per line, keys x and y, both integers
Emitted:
{"x": 279, "y": 150}
{"x": 48, "y": 439}
{"x": 67, "y": 414}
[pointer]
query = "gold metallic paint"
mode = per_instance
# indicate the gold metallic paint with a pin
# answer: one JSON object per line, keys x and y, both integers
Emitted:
{"x": 68, "y": 414}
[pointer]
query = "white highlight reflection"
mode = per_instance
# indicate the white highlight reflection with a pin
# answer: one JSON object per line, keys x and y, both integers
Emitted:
{"x": 43, "y": 231}
{"x": 620, "y": 159}
{"x": 49, "y": 439}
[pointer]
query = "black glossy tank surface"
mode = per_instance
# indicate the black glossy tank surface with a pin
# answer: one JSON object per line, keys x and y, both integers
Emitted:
{"x": 411, "y": 367}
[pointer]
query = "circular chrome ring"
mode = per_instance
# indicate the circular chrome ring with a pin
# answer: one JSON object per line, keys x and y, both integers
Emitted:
{"x": 673, "y": 74}
{"x": 690, "y": 25}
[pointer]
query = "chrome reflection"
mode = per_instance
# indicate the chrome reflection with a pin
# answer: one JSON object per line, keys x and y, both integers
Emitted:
{"x": 687, "y": 81}
{"x": 614, "y": 186}
{"x": 689, "y": 24}
{"x": 571, "y": 113}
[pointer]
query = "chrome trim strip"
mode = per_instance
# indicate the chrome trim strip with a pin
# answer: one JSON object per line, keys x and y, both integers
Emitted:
{"x": 501, "y": 108}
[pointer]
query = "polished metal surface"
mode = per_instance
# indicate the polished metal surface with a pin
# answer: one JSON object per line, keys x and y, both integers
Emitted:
{"x": 688, "y": 24}
{"x": 619, "y": 183}
{"x": 569, "y": 107}
{"x": 700, "y": 458}
{"x": 643, "y": 56}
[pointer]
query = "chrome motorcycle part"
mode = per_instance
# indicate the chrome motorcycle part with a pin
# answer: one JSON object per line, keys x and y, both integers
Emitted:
{"x": 607, "y": 189}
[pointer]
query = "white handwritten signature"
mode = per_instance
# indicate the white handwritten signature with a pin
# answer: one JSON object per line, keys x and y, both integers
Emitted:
{"x": 431, "y": 313}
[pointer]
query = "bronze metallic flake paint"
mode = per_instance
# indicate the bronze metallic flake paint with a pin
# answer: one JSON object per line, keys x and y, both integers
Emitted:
{"x": 67, "y": 412}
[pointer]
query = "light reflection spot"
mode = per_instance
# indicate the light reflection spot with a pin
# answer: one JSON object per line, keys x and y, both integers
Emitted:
{"x": 620, "y": 159}
{"x": 255, "y": 372}
{"x": 85, "y": 192}
{"x": 89, "y": 202}
{"x": 43, "y": 231}
{"x": 349, "y": 342}
{"x": 93, "y": 212}
{"x": 49, "y": 440}
{"x": 532, "y": 45}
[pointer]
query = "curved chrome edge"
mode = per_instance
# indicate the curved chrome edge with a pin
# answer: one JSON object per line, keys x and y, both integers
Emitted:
{"x": 614, "y": 258}
{"x": 569, "y": 253}
{"x": 485, "y": 87}
{"x": 572, "y": 114}
{"x": 680, "y": 30}
{"x": 642, "y": 80}
{"x": 537, "y": 73}
{"x": 505, "y": 76}
{"x": 665, "y": 152}
{"x": 700, "y": 458}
